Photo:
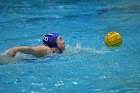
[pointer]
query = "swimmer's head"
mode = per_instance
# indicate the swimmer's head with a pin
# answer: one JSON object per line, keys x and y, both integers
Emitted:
{"x": 53, "y": 40}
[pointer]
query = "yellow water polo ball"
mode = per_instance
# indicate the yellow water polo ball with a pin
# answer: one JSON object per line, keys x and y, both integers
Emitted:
{"x": 113, "y": 39}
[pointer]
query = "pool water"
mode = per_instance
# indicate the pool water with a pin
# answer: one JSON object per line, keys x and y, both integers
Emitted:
{"x": 87, "y": 65}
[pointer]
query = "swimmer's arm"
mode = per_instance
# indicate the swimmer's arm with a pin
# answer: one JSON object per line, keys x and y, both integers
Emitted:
{"x": 38, "y": 51}
{"x": 23, "y": 49}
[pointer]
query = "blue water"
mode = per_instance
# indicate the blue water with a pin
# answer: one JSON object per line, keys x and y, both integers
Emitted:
{"x": 87, "y": 65}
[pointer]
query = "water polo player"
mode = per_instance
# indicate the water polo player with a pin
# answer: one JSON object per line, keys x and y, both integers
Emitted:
{"x": 53, "y": 43}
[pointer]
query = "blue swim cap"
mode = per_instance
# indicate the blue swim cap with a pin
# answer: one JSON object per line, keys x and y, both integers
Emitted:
{"x": 50, "y": 40}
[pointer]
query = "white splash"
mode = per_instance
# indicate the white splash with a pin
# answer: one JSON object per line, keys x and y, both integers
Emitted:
{"x": 78, "y": 49}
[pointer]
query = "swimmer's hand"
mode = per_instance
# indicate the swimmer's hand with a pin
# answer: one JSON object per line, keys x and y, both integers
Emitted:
{"x": 12, "y": 52}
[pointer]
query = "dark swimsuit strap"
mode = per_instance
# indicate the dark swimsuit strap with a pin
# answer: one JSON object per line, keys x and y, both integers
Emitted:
{"x": 58, "y": 49}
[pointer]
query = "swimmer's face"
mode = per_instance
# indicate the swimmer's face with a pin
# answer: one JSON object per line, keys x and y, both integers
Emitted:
{"x": 60, "y": 43}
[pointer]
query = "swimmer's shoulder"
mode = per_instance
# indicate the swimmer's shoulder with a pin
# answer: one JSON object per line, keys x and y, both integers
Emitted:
{"x": 42, "y": 47}
{"x": 42, "y": 50}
